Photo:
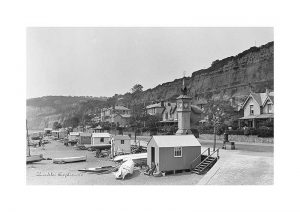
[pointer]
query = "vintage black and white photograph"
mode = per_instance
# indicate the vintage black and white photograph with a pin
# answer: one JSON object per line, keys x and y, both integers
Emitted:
{"x": 150, "y": 106}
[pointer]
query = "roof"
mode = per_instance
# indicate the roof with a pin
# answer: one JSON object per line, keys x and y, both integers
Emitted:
{"x": 175, "y": 140}
{"x": 169, "y": 121}
{"x": 74, "y": 133}
{"x": 170, "y": 106}
{"x": 154, "y": 106}
{"x": 260, "y": 98}
{"x": 86, "y": 134}
{"x": 196, "y": 109}
{"x": 261, "y": 116}
{"x": 248, "y": 117}
{"x": 121, "y": 137}
{"x": 48, "y": 129}
{"x": 184, "y": 97}
{"x": 125, "y": 115}
{"x": 271, "y": 98}
{"x": 101, "y": 135}
{"x": 119, "y": 107}
{"x": 122, "y": 115}
{"x": 265, "y": 116}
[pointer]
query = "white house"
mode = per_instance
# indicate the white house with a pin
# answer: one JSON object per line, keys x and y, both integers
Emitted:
{"x": 100, "y": 138}
{"x": 258, "y": 107}
{"x": 121, "y": 144}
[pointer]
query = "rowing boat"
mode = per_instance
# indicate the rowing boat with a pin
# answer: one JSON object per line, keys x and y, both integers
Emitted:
{"x": 98, "y": 169}
{"x": 69, "y": 159}
{"x": 34, "y": 158}
{"x": 131, "y": 156}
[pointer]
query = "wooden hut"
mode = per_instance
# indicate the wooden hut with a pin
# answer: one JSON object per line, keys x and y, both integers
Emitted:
{"x": 47, "y": 131}
{"x": 85, "y": 138}
{"x": 55, "y": 133}
{"x": 173, "y": 152}
{"x": 100, "y": 138}
{"x": 121, "y": 144}
{"x": 73, "y": 136}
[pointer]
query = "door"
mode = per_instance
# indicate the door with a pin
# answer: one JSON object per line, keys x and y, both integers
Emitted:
{"x": 152, "y": 154}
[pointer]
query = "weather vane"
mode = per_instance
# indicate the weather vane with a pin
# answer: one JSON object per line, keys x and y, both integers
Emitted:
{"x": 183, "y": 89}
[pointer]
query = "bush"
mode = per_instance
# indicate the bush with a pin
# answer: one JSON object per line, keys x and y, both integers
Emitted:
{"x": 265, "y": 132}
{"x": 206, "y": 131}
{"x": 250, "y": 131}
{"x": 236, "y": 132}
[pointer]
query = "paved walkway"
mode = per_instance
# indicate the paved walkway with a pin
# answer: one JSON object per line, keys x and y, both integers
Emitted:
{"x": 241, "y": 168}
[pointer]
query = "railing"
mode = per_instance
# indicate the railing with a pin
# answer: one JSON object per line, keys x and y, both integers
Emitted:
{"x": 216, "y": 151}
{"x": 196, "y": 161}
{"x": 207, "y": 150}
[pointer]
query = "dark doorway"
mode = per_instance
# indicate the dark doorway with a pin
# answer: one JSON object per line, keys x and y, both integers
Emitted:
{"x": 152, "y": 154}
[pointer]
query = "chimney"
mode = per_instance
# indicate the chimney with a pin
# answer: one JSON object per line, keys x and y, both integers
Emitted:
{"x": 267, "y": 91}
{"x": 250, "y": 88}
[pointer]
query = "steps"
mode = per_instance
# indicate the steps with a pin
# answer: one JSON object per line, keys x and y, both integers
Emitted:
{"x": 205, "y": 165}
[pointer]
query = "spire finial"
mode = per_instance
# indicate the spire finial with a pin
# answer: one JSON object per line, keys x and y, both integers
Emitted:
{"x": 183, "y": 89}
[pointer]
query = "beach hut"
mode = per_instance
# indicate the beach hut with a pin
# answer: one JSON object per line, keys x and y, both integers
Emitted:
{"x": 47, "y": 131}
{"x": 173, "y": 152}
{"x": 100, "y": 138}
{"x": 62, "y": 133}
{"x": 85, "y": 138}
{"x": 55, "y": 133}
{"x": 121, "y": 144}
{"x": 73, "y": 136}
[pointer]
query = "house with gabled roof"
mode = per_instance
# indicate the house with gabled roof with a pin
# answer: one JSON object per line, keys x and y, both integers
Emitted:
{"x": 169, "y": 113}
{"x": 155, "y": 109}
{"x": 258, "y": 107}
{"x": 121, "y": 120}
{"x": 116, "y": 114}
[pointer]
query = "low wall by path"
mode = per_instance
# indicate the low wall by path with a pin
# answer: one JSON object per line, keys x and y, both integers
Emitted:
{"x": 238, "y": 138}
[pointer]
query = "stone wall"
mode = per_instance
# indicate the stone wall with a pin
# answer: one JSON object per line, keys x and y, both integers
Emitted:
{"x": 238, "y": 138}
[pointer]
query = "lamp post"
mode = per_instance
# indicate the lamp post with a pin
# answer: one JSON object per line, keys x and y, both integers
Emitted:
{"x": 215, "y": 122}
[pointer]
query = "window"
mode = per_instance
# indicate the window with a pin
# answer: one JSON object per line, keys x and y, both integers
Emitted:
{"x": 122, "y": 141}
{"x": 251, "y": 110}
{"x": 177, "y": 151}
{"x": 269, "y": 108}
{"x": 101, "y": 139}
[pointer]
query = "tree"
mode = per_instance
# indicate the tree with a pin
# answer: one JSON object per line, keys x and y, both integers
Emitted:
{"x": 72, "y": 122}
{"x": 56, "y": 125}
{"x": 136, "y": 89}
{"x": 218, "y": 113}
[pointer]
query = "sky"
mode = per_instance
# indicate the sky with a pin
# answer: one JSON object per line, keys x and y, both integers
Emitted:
{"x": 107, "y": 61}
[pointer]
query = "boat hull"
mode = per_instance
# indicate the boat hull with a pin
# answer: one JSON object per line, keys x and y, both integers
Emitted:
{"x": 70, "y": 159}
{"x": 98, "y": 169}
{"x": 34, "y": 158}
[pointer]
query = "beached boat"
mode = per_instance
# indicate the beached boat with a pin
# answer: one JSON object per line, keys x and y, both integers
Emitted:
{"x": 34, "y": 158}
{"x": 133, "y": 157}
{"x": 99, "y": 169}
{"x": 69, "y": 159}
{"x": 124, "y": 170}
